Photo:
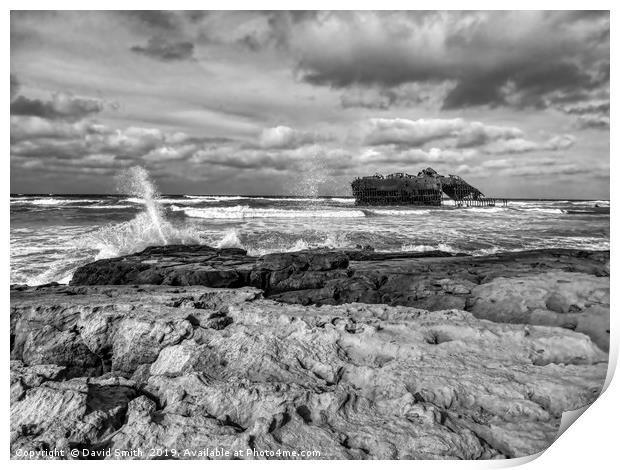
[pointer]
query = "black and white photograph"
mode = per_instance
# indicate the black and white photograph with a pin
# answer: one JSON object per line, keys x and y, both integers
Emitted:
{"x": 306, "y": 234}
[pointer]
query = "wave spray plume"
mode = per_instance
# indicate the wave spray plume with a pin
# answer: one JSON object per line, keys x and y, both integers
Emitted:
{"x": 136, "y": 182}
{"x": 148, "y": 228}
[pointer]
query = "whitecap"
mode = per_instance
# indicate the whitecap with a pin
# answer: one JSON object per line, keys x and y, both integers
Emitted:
{"x": 230, "y": 240}
{"x": 246, "y": 212}
{"x": 423, "y": 248}
{"x": 54, "y": 201}
{"x": 399, "y": 211}
{"x": 542, "y": 210}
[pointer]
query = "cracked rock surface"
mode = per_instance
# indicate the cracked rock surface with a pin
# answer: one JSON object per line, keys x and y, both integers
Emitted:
{"x": 187, "y": 367}
{"x": 555, "y": 287}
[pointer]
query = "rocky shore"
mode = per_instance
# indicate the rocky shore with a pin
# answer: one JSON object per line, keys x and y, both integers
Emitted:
{"x": 353, "y": 354}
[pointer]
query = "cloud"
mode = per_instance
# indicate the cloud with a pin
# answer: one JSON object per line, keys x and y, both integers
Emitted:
{"x": 37, "y": 137}
{"x": 505, "y": 163}
{"x": 380, "y": 131}
{"x": 590, "y": 114}
{"x": 415, "y": 156}
{"x": 491, "y": 58}
{"x": 406, "y": 132}
{"x": 14, "y": 87}
{"x": 282, "y": 137}
{"x": 62, "y": 106}
{"x": 324, "y": 76}
{"x": 159, "y": 19}
{"x": 161, "y": 49}
{"x": 244, "y": 158}
{"x": 164, "y": 20}
{"x": 587, "y": 107}
{"x": 34, "y": 127}
{"x": 37, "y": 140}
{"x": 426, "y": 94}
{"x": 593, "y": 121}
{"x": 511, "y": 146}
{"x": 475, "y": 134}
{"x": 170, "y": 152}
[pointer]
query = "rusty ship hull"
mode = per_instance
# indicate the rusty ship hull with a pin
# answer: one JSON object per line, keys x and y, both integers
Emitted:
{"x": 388, "y": 191}
{"x": 424, "y": 189}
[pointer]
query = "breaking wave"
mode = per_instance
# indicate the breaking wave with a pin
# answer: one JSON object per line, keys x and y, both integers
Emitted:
{"x": 422, "y": 248}
{"x": 50, "y": 201}
{"x": 215, "y": 198}
{"x": 398, "y": 211}
{"x": 281, "y": 242}
{"x": 148, "y": 228}
{"x": 161, "y": 200}
{"x": 230, "y": 240}
{"x": 247, "y": 212}
{"x": 542, "y": 210}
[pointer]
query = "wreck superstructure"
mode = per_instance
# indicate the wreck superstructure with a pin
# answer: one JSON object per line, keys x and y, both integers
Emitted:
{"x": 425, "y": 189}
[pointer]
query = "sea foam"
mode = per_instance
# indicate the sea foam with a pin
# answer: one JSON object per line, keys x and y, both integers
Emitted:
{"x": 148, "y": 228}
{"x": 247, "y": 212}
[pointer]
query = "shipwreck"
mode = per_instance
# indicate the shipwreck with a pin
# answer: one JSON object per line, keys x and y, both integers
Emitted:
{"x": 425, "y": 189}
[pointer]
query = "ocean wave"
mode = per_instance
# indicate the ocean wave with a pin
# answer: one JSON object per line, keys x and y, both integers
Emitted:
{"x": 52, "y": 201}
{"x": 542, "y": 210}
{"x": 398, "y": 211}
{"x": 163, "y": 200}
{"x": 147, "y": 228}
{"x": 246, "y": 212}
{"x": 286, "y": 243}
{"x": 349, "y": 200}
{"x": 345, "y": 200}
{"x": 577, "y": 243}
{"x": 230, "y": 240}
{"x": 215, "y": 198}
{"x": 486, "y": 210}
{"x": 283, "y": 199}
{"x": 105, "y": 206}
{"x": 423, "y": 248}
{"x": 600, "y": 203}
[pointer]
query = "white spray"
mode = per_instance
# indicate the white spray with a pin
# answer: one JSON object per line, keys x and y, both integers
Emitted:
{"x": 136, "y": 182}
{"x": 148, "y": 228}
{"x": 313, "y": 176}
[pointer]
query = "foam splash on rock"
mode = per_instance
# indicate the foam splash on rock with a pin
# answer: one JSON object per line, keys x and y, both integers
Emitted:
{"x": 150, "y": 227}
{"x": 230, "y": 240}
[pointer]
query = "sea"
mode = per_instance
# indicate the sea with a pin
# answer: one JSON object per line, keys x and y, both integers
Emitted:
{"x": 53, "y": 234}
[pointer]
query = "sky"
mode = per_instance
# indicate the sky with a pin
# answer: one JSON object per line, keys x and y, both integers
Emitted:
{"x": 298, "y": 102}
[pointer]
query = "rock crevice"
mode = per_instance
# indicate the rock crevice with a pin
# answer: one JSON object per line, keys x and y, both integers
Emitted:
{"x": 120, "y": 367}
{"x": 554, "y": 287}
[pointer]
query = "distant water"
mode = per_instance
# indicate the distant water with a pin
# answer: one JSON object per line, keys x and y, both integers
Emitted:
{"x": 51, "y": 235}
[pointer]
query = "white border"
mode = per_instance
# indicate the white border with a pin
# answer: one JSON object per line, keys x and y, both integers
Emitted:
{"x": 589, "y": 443}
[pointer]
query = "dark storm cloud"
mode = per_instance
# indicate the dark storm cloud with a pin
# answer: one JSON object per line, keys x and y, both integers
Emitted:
{"x": 61, "y": 106}
{"x": 493, "y": 58}
{"x": 161, "y": 49}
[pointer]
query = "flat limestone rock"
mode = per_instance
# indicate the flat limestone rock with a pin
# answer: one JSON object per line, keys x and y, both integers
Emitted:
{"x": 350, "y": 381}
{"x": 430, "y": 281}
{"x": 576, "y": 301}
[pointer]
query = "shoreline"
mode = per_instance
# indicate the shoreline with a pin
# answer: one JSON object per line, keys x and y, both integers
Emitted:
{"x": 355, "y": 353}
